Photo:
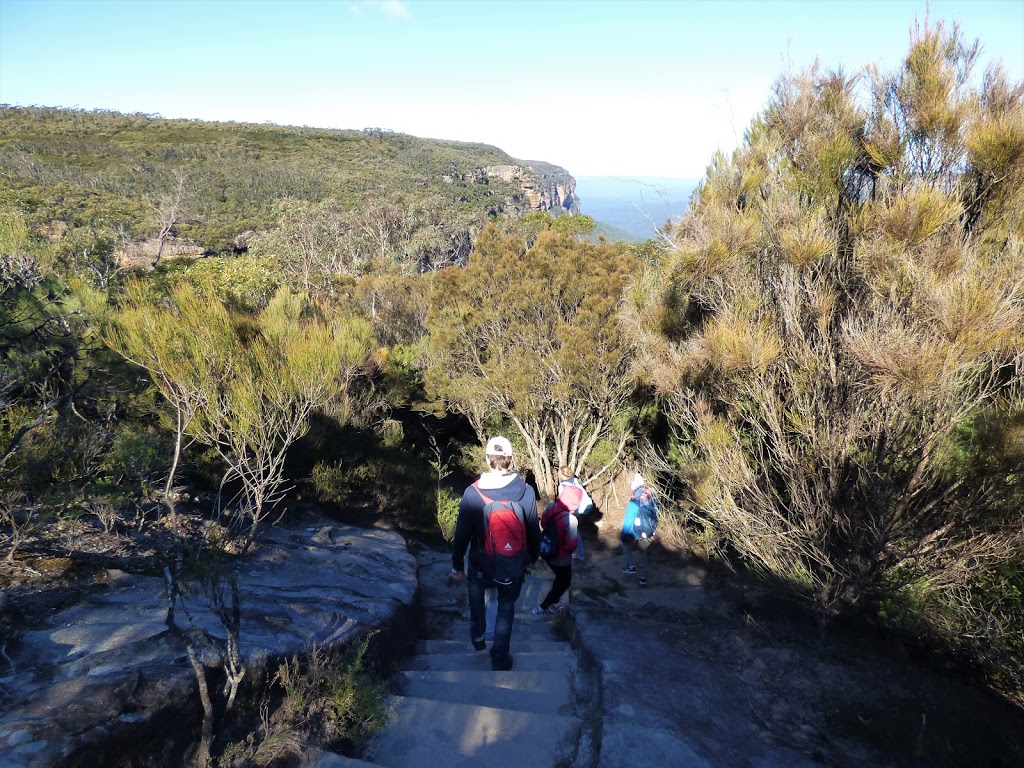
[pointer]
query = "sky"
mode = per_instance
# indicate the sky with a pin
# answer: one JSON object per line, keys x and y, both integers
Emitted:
{"x": 599, "y": 87}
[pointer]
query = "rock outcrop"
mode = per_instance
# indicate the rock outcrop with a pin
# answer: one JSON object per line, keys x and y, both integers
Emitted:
{"x": 545, "y": 187}
{"x": 143, "y": 253}
{"x": 105, "y": 679}
{"x": 537, "y": 187}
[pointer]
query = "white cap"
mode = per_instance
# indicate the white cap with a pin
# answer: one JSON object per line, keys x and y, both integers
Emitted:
{"x": 638, "y": 480}
{"x": 499, "y": 446}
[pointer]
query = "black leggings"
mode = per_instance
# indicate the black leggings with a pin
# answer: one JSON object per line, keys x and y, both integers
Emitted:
{"x": 563, "y": 578}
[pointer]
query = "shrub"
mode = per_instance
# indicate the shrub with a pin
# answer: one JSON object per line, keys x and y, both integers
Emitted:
{"x": 329, "y": 699}
{"x": 135, "y": 454}
{"x": 839, "y": 314}
{"x": 447, "y": 513}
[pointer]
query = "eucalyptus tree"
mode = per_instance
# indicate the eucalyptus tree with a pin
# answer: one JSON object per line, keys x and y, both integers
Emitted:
{"x": 839, "y": 311}
{"x": 246, "y": 386}
{"x": 528, "y": 337}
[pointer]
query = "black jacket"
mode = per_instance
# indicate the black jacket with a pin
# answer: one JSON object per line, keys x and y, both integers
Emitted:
{"x": 469, "y": 528}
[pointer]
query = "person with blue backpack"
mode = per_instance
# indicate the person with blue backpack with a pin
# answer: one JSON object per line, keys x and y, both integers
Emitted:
{"x": 639, "y": 523}
{"x": 497, "y": 524}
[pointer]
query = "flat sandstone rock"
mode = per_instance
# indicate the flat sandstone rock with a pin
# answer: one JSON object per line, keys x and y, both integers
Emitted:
{"x": 107, "y": 668}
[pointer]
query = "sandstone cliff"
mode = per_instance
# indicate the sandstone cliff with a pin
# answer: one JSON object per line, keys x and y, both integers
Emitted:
{"x": 536, "y": 186}
{"x": 545, "y": 187}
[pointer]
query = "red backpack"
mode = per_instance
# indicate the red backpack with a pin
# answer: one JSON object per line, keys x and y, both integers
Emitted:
{"x": 505, "y": 552}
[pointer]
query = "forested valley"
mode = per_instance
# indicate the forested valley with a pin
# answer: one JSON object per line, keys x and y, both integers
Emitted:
{"x": 820, "y": 365}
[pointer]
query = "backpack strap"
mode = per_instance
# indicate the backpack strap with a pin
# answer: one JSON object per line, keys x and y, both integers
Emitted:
{"x": 487, "y": 499}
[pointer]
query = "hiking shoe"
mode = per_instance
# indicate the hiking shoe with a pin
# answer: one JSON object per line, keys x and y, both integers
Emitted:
{"x": 537, "y": 610}
{"x": 503, "y": 666}
{"x": 479, "y": 645}
{"x": 557, "y": 606}
{"x": 629, "y": 569}
{"x": 643, "y": 580}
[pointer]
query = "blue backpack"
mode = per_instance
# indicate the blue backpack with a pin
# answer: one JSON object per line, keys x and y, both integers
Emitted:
{"x": 646, "y": 521}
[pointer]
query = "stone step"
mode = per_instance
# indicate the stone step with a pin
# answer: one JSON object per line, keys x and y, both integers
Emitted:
{"x": 523, "y": 628}
{"x": 432, "y": 734}
{"x": 534, "y": 590}
{"x": 541, "y": 692}
{"x": 526, "y": 661}
{"x": 334, "y": 760}
{"x": 531, "y": 643}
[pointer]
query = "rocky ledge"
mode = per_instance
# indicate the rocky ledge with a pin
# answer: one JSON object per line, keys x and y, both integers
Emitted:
{"x": 546, "y": 187}
{"x": 106, "y": 675}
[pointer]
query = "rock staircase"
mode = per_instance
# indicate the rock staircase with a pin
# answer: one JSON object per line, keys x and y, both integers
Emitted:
{"x": 450, "y": 709}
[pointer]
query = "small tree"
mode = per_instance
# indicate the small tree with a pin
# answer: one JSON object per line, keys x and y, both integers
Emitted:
{"x": 529, "y": 337}
{"x": 168, "y": 209}
{"x": 579, "y": 226}
{"x": 244, "y": 386}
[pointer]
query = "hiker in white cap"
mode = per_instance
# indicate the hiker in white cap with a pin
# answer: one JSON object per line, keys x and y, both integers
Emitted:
{"x": 498, "y": 525}
{"x": 638, "y": 526}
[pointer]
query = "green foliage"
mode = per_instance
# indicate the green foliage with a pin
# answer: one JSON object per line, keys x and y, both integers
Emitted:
{"x": 836, "y": 328}
{"x": 113, "y": 173}
{"x": 649, "y": 252}
{"x": 371, "y": 475}
{"x": 244, "y": 385}
{"x": 54, "y": 410}
{"x": 327, "y": 700}
{"x": 335, "y": 695}
{"x": 246, "y": 284}
{"x": 529, "y": 336}
{"x": 578, "y": 226}
{"x": 332, "y": 483}
{"x": 447, "y": 513}
{"x": 136, "y": 455}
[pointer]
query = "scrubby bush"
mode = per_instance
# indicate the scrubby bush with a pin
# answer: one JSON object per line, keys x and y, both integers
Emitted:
{"x": 447, "y": 513}
{"x": 527, "y": 336}
{"x": 839, "y": 309}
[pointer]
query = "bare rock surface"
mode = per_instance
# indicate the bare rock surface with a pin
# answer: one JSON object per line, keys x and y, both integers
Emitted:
{"x": 695, "y": 675}
{"x": 680, "y": 672}
{"x": 107, "y": 668}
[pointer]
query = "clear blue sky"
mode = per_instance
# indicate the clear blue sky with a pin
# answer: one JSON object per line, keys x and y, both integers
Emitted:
{"x": 601, "y": 88}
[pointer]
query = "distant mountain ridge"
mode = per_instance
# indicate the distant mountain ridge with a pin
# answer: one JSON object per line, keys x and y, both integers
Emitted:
{"x": 97, "y": 168}
{"x": 635, "y": 205}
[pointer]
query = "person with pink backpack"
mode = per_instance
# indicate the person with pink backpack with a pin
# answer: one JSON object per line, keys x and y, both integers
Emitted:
{"x": 558, "y": 541}
{"x": 586, "y": 506}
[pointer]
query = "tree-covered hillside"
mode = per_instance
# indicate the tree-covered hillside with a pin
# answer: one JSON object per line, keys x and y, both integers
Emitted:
{"x": 133, "y": 176}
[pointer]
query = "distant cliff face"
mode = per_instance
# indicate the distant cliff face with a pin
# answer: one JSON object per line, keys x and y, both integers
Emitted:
{"x": 545, "y": 187}
{"x": 539, "y": 187}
